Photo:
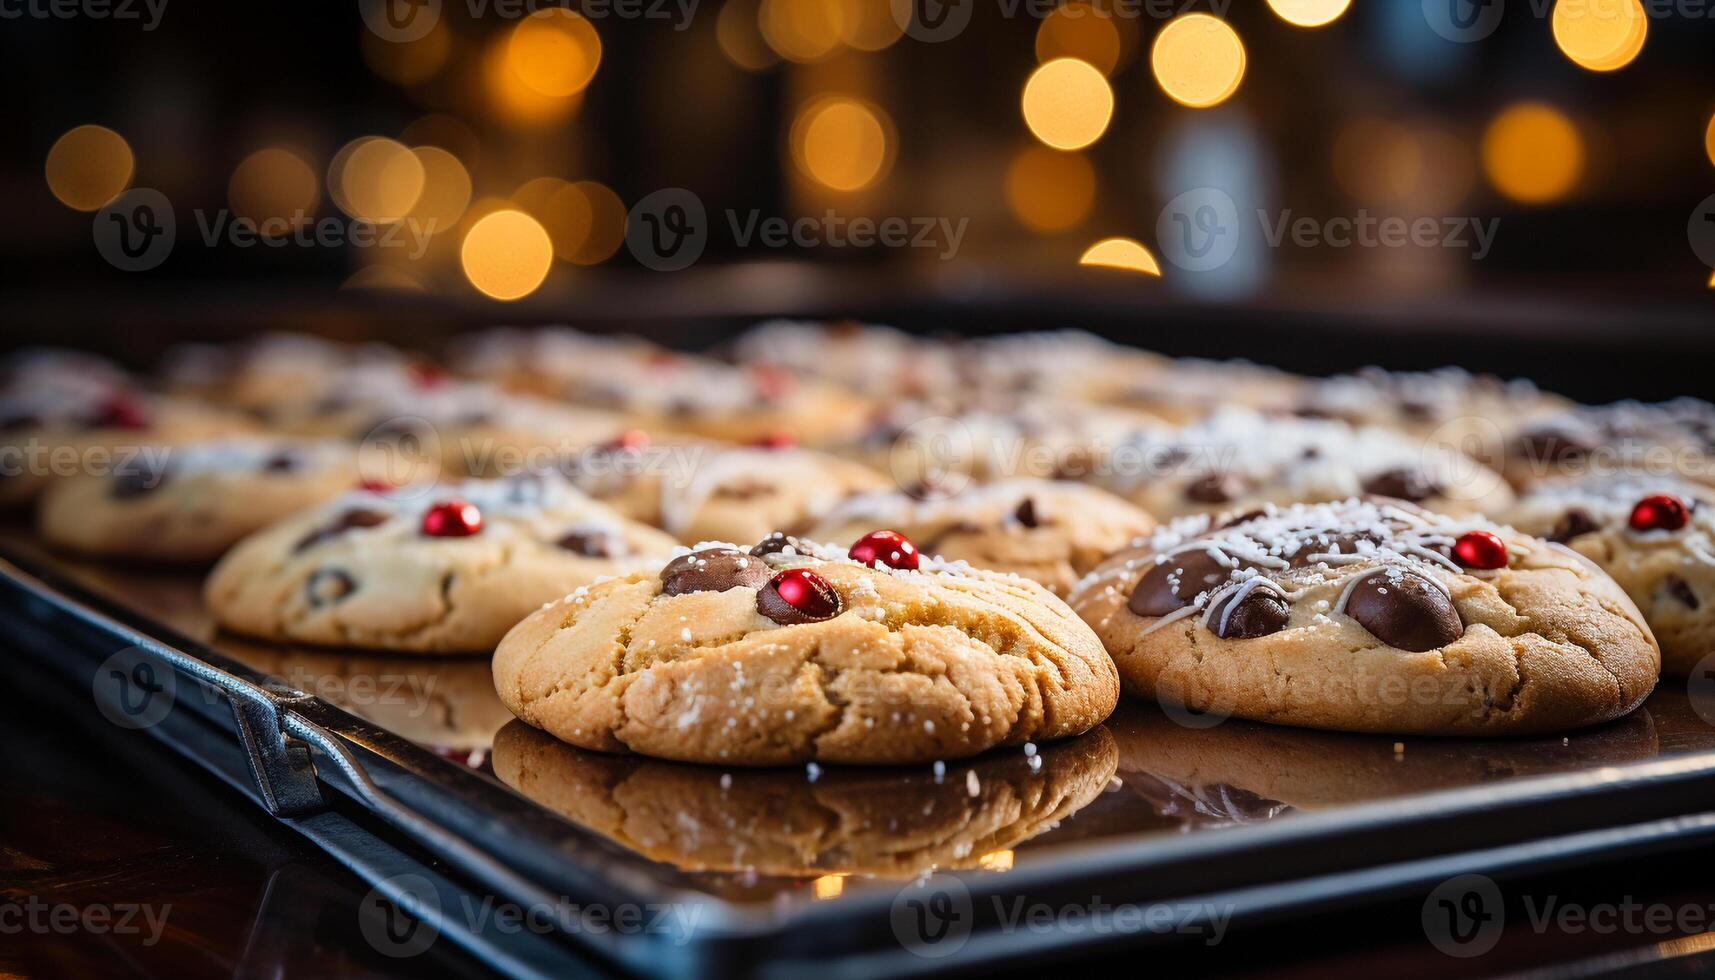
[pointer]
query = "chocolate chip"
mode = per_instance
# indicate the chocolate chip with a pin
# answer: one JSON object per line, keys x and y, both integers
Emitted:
{"x": 1249, "y": 515}
{"x": 1574, "y": 523}
{"x": 1259, "y": 613}
{"x": 594, "y": 544}
{"x": 1405, "y": 610}
{"x": 777, "y": 543}
{"x": 1403, "y": 484}
{"x": 18, "y": 423}
{"x": 1326, "y": 543}
{"x": 1216, "y": 488}
{"x": 1681, "y": 589}
{"x": 327, "y": 586}
{"x": 1026, "y": 513}
{"x": 137, "y": 480}
{"x": 281, "y": 462}
{"x": 713, "y": 570}
{"x": 820, "y": 602}
{"x": 359, "y": 517}
{"x": 1173, "y": 584}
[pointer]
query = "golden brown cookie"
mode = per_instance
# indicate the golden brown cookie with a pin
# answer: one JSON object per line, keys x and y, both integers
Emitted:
{"x": 1049, "y": 531}
{"x": 442, "y": 569}
{"x": 1372, "y": 616}
{"x": 776, "y": 656}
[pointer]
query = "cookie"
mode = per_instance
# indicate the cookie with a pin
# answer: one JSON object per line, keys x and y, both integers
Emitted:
{"x": 704, "y": 491}
{"x": 792, "y": 653}
{"x": 1450, "y": 404}
{"x": 1371, "y": 616}
{"x": 268, "y": 373}
{"x": 59, "y": 428}
{"x": 190, "y": 503}
{"x": 550, "y": 361}
{"x": 443, "y": 569}
{"x": 1665, "y": 439}
{"x": 882, "y": 362}
{"x": 780, "y": 823}
{"x": 1049, "y": 531}
{"x": 1654, "y": 535}
{"x": 1238, "y": 460}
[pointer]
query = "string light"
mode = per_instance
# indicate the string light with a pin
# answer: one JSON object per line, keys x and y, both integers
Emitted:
{"x": 506, "y": 254}
{"x": 1600, "y": 35}
{"x": 1198, "y": 60}
{"x": 373, "y": 178}
{"x": 739, "y": 38}
{"x": 446, "y": 189}
{"x": 272, "y": 185}
{"x": 842, "y": 143}
{"x": 554, "y": 52}
{"x": 1049, "y": 191}
{"x": 1532, "y": 153}
{"x": 801, "y": 30}
{"x": 89, "y": 166}
{"x": 1079, "y": 30}
{"x": 1709, "y": 140}
{"x": 1309, "y": 13}
{"x": 1067, "y": 104}
{"x": 1125, "y": 254}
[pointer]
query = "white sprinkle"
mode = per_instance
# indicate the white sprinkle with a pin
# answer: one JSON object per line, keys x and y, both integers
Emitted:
{"x": 813, "y": 771}
{"x": 940, "y": 770}
{"x": 726, "y": 780}
{"x": 685, "y": 634}
{"x": 928, "y": 725}
{"x": 1030, "y": 748}
{"x": 971, "y": 785}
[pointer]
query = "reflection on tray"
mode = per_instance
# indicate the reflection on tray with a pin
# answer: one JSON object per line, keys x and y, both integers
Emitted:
{"x": 1241, "y": 771}
{"x": 884, "y": 823}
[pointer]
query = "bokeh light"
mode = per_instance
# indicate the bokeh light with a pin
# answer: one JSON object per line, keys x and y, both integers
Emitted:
{"x": 1601, "y": 35}
{"x": 373, "y": 178}
{"x": 446, "y": 189}
{"x": 1049, "y": 191}
{"x": 1126, "y": 254}
{"x": 516, "y": 102}
{"x": 89, "y": 166}
{"x": 506, "y": 254}
{"x": 1067, "y": 104}
{"x": 802, "y": 30}
{"x": 1198, "y": 60}
{"x": 1709, "y": 140}
{"x": 554, "y": 52}
{"x": 1309, "y": 13}
{"x": 842, "y": 143}
{"x": 1532, "y": 153}
{"x": 272, "y": 184}
{"x": 868, "y": 25}
{"x": 585, "y": 220}
{"x": 1079, "y": 30}
{"x": 383, "y": 278}
{"x": 1418, "y": 165}
{"x": 409, "y": 62}
{"x": 739, "y": 38}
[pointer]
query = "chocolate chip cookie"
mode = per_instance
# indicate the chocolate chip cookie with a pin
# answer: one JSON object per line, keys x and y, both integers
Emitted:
{"x": 190, "y": 503}
{"x": 791, "y": 652}
{"x": 441, "y": 569}
{"x": 881, "y": 362}
{"x": 1654, "y": 535}
{"x": 1664, "y": 439}
{"x": 1371, "y": 616}
{"x": 1049, "y": 531}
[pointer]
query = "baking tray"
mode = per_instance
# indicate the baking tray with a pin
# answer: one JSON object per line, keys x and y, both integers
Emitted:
{"x": 409, "y": 771}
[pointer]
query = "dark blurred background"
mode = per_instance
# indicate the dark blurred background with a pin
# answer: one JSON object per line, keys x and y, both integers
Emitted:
{"x": 418, "y": 166}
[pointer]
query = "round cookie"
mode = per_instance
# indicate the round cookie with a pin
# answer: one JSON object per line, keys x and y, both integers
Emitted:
{"x": 701, "y": 397}
{"x": 1049, "y": 531}
{"x": 554, "y": 362}
{"x": 190, "y": 503}
{"x": 1371, "y": 616}
{"x": 881, "y": 362}
{"x": 789, "y": 654}
{"x": 278, "y": 369}
{"x": 1238, "y": 460}
{"x": 1672, "y": 438}
{"x": 442, "y": 569}
{"x": 1665, "y": 560}
{"x": 887, "y": 824}
{"x": 1454, "y": 406}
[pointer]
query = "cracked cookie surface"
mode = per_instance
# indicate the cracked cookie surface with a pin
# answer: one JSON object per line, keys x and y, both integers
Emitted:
{"x": 1049, "y": 531}
{"x": 877, "y": 665}
{"x": 368, "y": 570}
{"x": 1667, "y": 565}
{"x": 1371, "y": 616}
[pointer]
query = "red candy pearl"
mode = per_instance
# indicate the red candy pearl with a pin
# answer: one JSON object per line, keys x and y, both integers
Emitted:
{"x": 1659, "y": 512}
{"x": 777, "y": 439}
{"x": 629, "y": 440}
{"x": 374, "y": 486}
{"x": 807, "y": 592}
{"x": 452, "y": 519}
{"x": 427, "y": 376}
{"x": 890, "y": 548}
{"x": 1480, "y": 549}
{"x": 120, "y": 412}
